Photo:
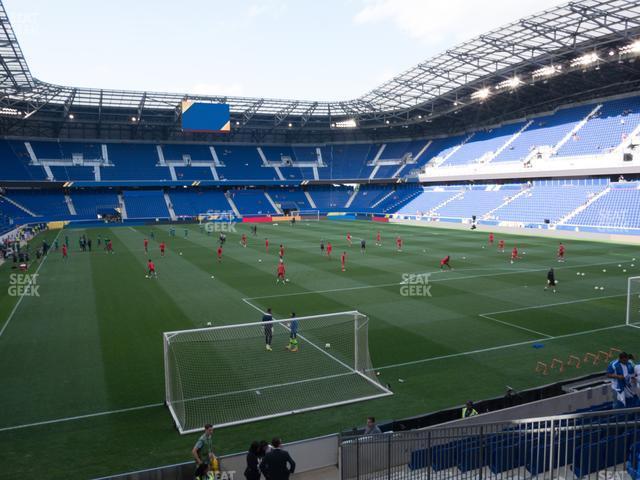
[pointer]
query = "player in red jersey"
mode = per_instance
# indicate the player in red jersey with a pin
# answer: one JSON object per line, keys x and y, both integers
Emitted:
{"x": 109, "y": 246}
{"x": 501, "y": 246}
{"x": 399, "y": 243}
{"x": 561, "y": 252}
{"x": 349, "y": 238}
{"x": 243, "y": 241}
{"x": 146, "y": 246}
{"x": 266, "y": 244}
{"x": 329, "y": 248}
{"x": 378, "y": 239}
{"x": 343, "y": 261}
{"x": 445, "y": 262}
{"x": 281, "y": 251}
{"x": 281, "y": 272}
{"x": 152, "y": 269}
{"x": 64, "y": 251}
{"x": 219, "y": 253}
{"x": 491, "y": 239}
{"x": 514, "y": 254}
{"x": 162, "y": 247}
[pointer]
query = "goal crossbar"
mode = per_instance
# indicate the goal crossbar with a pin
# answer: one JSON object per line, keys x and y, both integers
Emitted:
{"x": 321, "y": 376}
{"x": 633, "y": 301}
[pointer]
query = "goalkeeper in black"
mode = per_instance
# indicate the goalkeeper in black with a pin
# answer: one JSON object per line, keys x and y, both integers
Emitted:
{"x": 551, "y": 280}
{"x": 268, "y": 329}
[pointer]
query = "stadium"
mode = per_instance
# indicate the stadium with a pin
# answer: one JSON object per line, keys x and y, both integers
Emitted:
{"x": 455, "y": 253}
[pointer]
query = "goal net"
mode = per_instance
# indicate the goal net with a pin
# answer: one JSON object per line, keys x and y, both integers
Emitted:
{"x": 633, "y": 301}
{"x": 225, "y": 375}
{"x": 308, "y": 215}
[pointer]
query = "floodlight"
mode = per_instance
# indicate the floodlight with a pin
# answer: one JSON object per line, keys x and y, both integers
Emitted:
{"x": 481, "y": 94}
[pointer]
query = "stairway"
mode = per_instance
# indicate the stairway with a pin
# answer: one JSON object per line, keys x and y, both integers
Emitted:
{"x": 232, "y": 204}
{"x": 17, "y": 205}
{"x": 70, "y": 206}
{"x": 273, "y": 204}
{"x": 172, "y": 212}
{"x": 506, "y": 202}
{"x": 564, "y": 220}
{"x": 123, "y": 207}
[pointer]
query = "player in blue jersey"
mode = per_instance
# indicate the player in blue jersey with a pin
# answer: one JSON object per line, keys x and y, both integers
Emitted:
{"x": 621, "y": 372}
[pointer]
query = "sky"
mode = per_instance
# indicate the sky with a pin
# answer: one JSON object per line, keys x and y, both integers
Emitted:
{"x": 300, "y": 49}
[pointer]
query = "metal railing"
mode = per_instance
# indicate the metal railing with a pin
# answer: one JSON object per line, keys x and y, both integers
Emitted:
{"x": 588, "y": 445}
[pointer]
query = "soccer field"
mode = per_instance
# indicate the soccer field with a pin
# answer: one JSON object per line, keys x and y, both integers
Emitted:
{"x": 81, "y": 365}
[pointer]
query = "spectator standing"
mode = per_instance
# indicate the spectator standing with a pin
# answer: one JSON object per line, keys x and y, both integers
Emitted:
{"x": 469, "y": 410}
{"x": 372, "y": 428}
{"x": 203, "y": 452}
{"x": 252, "y": 472}
{"x": 277, "y": 464}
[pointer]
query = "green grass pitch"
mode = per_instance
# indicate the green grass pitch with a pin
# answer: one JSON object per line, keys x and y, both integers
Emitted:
{"x": 81, "y": 371}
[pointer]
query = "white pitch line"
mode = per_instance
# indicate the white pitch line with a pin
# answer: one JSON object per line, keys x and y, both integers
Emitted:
{"x": 569, "y": 302}
{"x": 434, "y": 280}
{"x": 491, "y": 349}
{"x": 15, "y": 307}
{"x": 484, "y": 315}
{"x": 81, "y": 417}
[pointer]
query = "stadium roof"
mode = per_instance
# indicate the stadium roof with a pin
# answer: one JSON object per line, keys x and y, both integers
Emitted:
{"x": 546, "y": 58}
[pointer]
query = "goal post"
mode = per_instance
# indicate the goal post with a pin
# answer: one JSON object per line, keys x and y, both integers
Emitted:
{"x": 633, "y": 301}
{"x": 224, "y": 375}
{"x": 309, "y": 215}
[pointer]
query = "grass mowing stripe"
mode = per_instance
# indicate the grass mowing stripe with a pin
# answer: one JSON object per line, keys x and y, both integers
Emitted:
{"x": 468, "y": 277}
{"x": 15, "y": 308}
{"x": 499, "y": 347}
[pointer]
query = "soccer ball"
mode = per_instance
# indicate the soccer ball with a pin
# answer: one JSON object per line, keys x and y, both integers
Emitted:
{"x": 287, "y": 280}
{"x": 180, "y": 253}
{"x": 327, "y": 345}
{"x": 619, "y": 266}
{"x": 604, "y": 270}
{"x": 259, "y": 260}
{"x": 211, "y": 276}
{"x": 146, "y": 276}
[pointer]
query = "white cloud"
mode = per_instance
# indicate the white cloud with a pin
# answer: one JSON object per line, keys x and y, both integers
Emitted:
{"x": 444, "y": 24}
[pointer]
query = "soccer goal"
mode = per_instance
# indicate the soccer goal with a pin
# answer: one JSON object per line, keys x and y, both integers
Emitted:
{"x": 225, "y": 376}
{"x": 633, "y": 301}
{"x": 308, "y": 215}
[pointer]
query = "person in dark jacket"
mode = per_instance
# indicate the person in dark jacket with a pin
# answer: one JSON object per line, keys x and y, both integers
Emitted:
{"x": 277, "y": 464}
{"x": 252, "y": 472}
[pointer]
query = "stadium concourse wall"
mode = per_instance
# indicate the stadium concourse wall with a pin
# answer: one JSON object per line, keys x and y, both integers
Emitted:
{"x": 564, "y": 232}
{"x": 320, "y": 458}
